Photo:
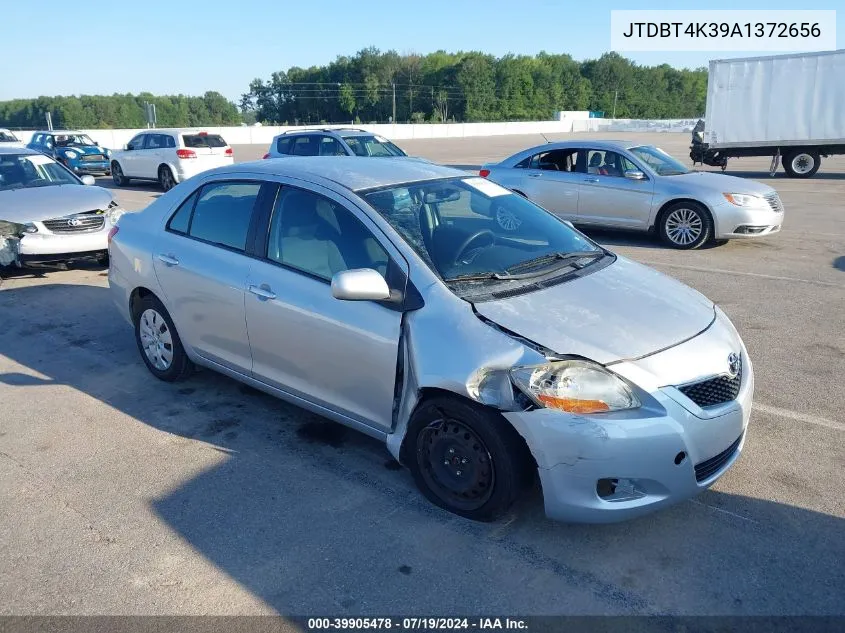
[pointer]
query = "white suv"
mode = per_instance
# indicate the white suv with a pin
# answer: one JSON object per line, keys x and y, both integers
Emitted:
{"x": 169, "y": 156}
{"x": 8, "y": 139}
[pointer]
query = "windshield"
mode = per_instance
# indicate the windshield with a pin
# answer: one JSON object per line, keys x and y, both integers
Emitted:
{"x": 659, "y": 161}
{"x": 471, "y": 227}
{"x": 69, "y": 140}
{"x": 7, "y": 137}
{"x": 22, "y": 171}
{"x": 372, "y": 146}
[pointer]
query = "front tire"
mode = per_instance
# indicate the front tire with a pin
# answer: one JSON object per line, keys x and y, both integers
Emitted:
{"x": 117, "y": 175}
{"x": 801, "y": 163}
{"x": 685, "y": 225}
{"x": 466, "y": 458}
{"x": 158, "y": 341}
{"x": 165, "y": 178}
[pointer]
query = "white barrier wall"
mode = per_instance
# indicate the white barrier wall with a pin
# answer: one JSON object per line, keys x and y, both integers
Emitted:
{"x": 262, "y": 135}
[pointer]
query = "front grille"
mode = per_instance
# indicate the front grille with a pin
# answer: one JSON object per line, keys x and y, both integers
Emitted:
{"x": 81, "y": 223}
{"x": 92, "y": 158}
{"x": 718, "y": 390}
{"x": 774, "y": 202}
{"x": 709, "y": 467}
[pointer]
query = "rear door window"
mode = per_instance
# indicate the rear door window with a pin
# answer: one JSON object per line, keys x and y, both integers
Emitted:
{"x": 203, "y": 140}
{"x": 223, "y": 213}
{"x": 305, "y": 145}
{"x": 283, "y": 145}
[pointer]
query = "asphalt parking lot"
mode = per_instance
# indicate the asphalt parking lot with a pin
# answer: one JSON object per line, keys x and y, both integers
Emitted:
{"x": 125, "y": 495}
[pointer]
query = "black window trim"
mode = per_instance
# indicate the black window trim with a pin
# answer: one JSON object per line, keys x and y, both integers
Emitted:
{"x": 265, "y": 187}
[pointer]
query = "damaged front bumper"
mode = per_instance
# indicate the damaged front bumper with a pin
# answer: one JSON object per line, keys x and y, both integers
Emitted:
{"x": 20, "y": 248}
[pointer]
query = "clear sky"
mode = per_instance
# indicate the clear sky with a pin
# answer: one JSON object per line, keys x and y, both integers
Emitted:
{"x": 190, "y": 46}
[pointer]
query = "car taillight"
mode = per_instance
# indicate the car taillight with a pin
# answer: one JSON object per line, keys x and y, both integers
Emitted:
{"x": 266, "y": 156}
{"x": 484, "y": 173}
{"x": 229, "y": 151}
{"x": 112, "y": 233}
{"x": 186, "y": 153}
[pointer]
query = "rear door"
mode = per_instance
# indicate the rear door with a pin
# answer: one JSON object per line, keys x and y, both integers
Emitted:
{"x": 608, "y": 198}
{"x": 211, "y": 150}
{"x": 201, "y": 264}
{"x": 552, "y": 179}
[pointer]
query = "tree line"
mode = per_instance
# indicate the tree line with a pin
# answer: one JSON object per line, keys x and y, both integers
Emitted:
{"x": 473, "y": 86}
{"x": 375, "y": 86}
{"x": 119, "y": 111}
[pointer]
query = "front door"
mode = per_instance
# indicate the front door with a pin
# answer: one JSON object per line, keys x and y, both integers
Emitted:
{"x": 608, "y": 198}
{"x": 200, "y": 263}
{"x": 340, "y": 355}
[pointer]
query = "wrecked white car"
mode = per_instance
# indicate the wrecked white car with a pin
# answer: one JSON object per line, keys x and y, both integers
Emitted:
{"x": 48, "y": 214}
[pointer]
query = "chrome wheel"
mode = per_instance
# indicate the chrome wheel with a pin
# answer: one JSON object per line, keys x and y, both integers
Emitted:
{"x": 156, "y": 340}
{"x": 506, "y": 219}
{"x": 455, "y": 464}
{"x": 803, "y": 163}
{"x": 684, "y": 226}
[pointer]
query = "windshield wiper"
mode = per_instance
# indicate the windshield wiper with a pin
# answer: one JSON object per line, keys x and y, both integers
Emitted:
{"x": 559, "y": 259}
{"x": 552, "y": 258}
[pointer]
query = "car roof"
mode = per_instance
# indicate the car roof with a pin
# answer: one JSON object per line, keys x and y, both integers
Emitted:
{"x": 58, "y": 132}
{"x": 17, "y": 150}
{"x": 356, "y": 173}
{"x": 344, "y": 131}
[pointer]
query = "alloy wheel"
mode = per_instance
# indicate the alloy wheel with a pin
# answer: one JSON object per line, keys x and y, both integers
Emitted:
{"x": 684, "y": 226}
{"x": 506, "y": 219}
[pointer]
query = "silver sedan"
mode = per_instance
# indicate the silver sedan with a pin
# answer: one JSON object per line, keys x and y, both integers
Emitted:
{"x": 640, "y": 187}
{"x": 377, "y": 292}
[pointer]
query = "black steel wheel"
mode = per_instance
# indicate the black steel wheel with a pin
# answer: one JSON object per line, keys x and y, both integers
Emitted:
{"x": 466, "y": 458}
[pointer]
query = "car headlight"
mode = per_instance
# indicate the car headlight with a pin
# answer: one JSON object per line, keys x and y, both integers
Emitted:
{"x": 71, "y": 154}
{"x": 114, "y": 212}
{"x": 743, "y": 199}
{"x": 575, "y": 386}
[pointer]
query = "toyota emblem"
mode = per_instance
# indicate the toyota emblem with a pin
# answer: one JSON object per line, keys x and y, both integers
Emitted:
{"x": 734, "y": 364}
{"x": 73, "y": 222}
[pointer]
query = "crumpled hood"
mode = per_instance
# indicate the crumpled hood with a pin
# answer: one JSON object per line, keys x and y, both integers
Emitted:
{"x": 623, "y": 311}
{"x": 721, "y": 182}
{"x": 42, "y": 203}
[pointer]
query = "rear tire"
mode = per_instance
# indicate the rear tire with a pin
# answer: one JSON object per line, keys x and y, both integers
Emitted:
{"x": 165, "y": 178}
{"x": 117, "y": 175}
{"x": 685, "y": 225}
{"x": 158, "y": 341}
{"x": 801, "y": 163}
{"x": 466, "y": 458}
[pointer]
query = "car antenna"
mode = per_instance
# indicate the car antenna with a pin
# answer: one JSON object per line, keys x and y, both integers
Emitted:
{"x": 544, "y": 136}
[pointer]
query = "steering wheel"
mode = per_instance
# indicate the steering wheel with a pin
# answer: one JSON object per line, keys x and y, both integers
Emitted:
{"x": 470, "y": 239}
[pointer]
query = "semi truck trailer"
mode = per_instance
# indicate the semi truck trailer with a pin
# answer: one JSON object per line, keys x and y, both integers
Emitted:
{"x": 789, "y": 107}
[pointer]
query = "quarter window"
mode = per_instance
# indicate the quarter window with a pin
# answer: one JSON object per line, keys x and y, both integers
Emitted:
{"x": 181, "y": 220}
{"x": 320, "y": 237}
{"x": 283, "y": 145}
{"x": 223, "y": 213}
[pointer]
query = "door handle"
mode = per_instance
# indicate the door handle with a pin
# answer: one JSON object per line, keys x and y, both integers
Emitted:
{"x": 168, "y": 260}
{"x": 534, "y": 175}
{"x": 591, "y": 180}
{"x": 263, "y": 292}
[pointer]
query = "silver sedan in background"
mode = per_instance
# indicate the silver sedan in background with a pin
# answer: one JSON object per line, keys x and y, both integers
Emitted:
{"x": 621, "y": 185}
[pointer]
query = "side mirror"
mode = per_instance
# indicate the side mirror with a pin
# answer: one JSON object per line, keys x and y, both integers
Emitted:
{"x": 360, "y": 284}
{"x": 87, "y": 180}
{"x": 634, "y": 175}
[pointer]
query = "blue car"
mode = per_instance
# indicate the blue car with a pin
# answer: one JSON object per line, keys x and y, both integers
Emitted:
{"x": 74, "y": 150}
